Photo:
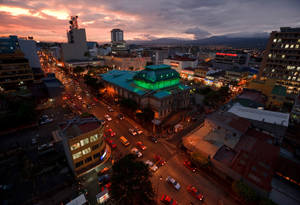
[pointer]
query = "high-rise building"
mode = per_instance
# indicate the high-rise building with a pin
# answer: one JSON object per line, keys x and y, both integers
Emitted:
{"x": 76, "y": 48}
{"x": 281, "y": 60}
{"x": 117, "y": 35}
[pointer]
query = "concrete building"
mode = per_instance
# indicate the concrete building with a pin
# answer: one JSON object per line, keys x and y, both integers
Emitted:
{"x": 117, "y": 35}
{"x": 157, "y": 87}
{"x": 295, "y": 114}
{"x": 76, "y": 48}
{"x": 230, "y": 59}
{"x": 179, "y": 63}
{"x": 126, "y": 62}
{"x": 83, "y": 142}
{"x": 281, "y": 60}
{"x": 118, "y": 44}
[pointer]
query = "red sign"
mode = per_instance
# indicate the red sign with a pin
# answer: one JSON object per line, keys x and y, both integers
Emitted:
{"x": 226, "y": 54}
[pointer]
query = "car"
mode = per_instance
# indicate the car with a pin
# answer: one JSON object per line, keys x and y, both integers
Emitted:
{"x": 188, "y": 164}
{"x": 124, "y": 141}
{"x": 45, "y": 119}
{"x": 139, "y": 131}
{"x": 121, "y": 116}
{"x": 159, "y": 160}
{"x": 153, "y": 139}
{"x": 33, "y": 141}
{"x": 108, "y": 118}
{"x": 173, "y": 182}
{"x": 141, "y": 145}
{"x": 135, "y": 151}
{"x": 111, "y": 132}
{"x": 110, "y": 109}
{"x": 151, "y": 166}
{"x": 132, "y": 131}
{"x": 195, "y": 192}
{"x": 103, "y": 179}
{"x": 111, "y": 143}
{"x": 103, "y": 171}
{"x": 168, "y": 200}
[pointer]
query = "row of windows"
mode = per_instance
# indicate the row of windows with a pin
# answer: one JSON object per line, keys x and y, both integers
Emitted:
{"x": 86, "y": 151}
{"x": 84, "y": 142}
{"x": 88, "y": 159}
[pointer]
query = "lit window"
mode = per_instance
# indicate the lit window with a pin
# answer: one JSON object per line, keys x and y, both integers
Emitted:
{"x": 298, "y": 68}
{"x": 273, "y": 70}
{"x": 94, "y": 138}
{"x": 274, "y": 40}
{"x": 75, "y": 146}
{"x": 297, "y": 46}
{"x": 286, "y": 45}
{"x": 298, "y": 79}
{"x": 294, "y": 78}
{"x": 270, "y": 55}
{"x": 289, "y": 77}
{"x": 292, "y": 46}
{"x": 84, "y": 141}
{"x": 77, "y": 155}
{"x": 279, "y": 40}
{"x": 298, "y": 40}
{"x": 296, "y": 73}
{"x": 283, "y": 56}
{"x": 86, "y": 151}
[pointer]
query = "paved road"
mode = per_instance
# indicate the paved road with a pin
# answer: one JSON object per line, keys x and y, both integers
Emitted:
{"x": 167, "y": 150}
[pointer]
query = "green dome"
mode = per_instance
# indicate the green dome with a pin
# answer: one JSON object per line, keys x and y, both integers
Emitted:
{"x": 155, "y": 77}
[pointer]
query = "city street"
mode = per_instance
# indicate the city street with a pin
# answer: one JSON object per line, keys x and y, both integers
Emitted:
{"x": 80, "y": 100}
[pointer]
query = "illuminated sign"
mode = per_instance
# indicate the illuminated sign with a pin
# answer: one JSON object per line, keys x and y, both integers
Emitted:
{"x": 226, "y": 54}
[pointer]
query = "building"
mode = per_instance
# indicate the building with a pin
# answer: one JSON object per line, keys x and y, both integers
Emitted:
{"x": 126, "y": 62}
{"x": 179, "y": 63}
{"x": 15, "y": 71}
{"x": 229, "y": 59}
{"x": 83, "y": 142}
{"x": 201, "y": 72}
{"x": 157, "y": 87}
{"x": 281, "y": 60}
{"x": 274, "y": 123}
{"x": 117, "y": 35}
{"x": 93, "y": 49}
{"x": 295, "y": 113}
{"x": 53, "y": 86}
{"x": 158, "y": 56}
{"x": 76, "y": 48}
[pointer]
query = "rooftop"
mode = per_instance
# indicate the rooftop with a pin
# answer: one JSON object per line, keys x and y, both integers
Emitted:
{"x": 79, "y": 125}
{"x": 260, "y": 115}
{"x": 180, "y": 58}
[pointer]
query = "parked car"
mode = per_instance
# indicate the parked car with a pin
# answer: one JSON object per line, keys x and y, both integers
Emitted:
{"x": 132, "y": 131}
{"x": 159, "y": 160}
{"x": 173, "y": 182}
{"x": 141, "y": 145}
{"x": 111, "y": 143}
{"x": 124, "y": 141}
{"x": 168, "y": 200}
{"x": 108, "y": 118}
{"x": 188, "y": 164}
{"x": 195, "y": 192}
{"x": 139, "y": 131}
{"x": 151, "y": 166}
{"x": 135, "y": 151}
{"x": 111, "y": 132}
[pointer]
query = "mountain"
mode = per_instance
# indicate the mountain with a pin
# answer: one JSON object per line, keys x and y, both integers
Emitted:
{"x": 235, "y": 42}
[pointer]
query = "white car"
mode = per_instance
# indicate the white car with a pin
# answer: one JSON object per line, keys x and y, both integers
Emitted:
{"x": 132, "y": 131}
{"x": 108, "y": 118}
{"x": 173, "y": 182}
{"x": 135, "y": 151}
{"x": 139, "y": 131}
{"x": 151, "y": 165}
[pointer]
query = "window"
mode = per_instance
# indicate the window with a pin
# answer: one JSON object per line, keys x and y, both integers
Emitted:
{"x": 86, "y": 151}
{"x": 286, "y": 46}
{"x": 297, "y": 46}
{"x": 279, "y": 40}
{"x": 96, "y": 155}
{"x": 298, "y": 68}
{"x": 275, "y": 40}
{"x": 95, "y": 147}
{"x": 283, "y": 56}
{"x": 75, "y": 146}
{"x": 292, "y": 46}
{"x": 294, "y": 78}
{"x": 77, "y": 155}
{"x": 84, "y": 141}
{"x": 78, "y": 164}
{"x": 270, "y": 55}
{"x": 88, "y": 159}
{"x": 298, "y": 40}
{"x": 273, "y": 70}
{"x": 93, "y": 138}
{"x": 289, "y": 77}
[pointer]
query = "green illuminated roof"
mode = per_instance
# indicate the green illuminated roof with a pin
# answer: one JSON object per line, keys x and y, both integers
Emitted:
{"x": 156, "y": 77}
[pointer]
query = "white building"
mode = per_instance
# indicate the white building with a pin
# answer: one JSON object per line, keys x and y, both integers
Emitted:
{"x": 28, "y": 47}
{"x": 179, "y": 63}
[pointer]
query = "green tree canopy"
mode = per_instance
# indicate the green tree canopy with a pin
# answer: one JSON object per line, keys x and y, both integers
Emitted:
{"x": 130, "y": 182}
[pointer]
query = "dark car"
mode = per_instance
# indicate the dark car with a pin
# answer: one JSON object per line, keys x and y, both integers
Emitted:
{"x": 121, "y": 116}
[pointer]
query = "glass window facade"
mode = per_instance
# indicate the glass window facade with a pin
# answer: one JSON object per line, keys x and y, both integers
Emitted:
{"x": 77, "y": 155}
{"x": 84, "y": 141}
{"x": 93, "y": 138}
{"x": 86, "y": 151}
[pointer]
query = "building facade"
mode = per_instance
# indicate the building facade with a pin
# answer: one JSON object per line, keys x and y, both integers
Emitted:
{"x": 229, "y": 59}
{"x": 180, "y": 63}
{"x": 281, "y": 60}
{"x": 83, "y": 144}
{"x": 157, "y": 87}
{"x": 117, "y": 35}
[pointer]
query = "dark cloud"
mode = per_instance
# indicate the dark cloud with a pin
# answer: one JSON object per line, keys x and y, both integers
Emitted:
{"x": 198, "y": 33}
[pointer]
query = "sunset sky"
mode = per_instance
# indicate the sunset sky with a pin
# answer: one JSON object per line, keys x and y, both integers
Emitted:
{"x": 47, "y": 20}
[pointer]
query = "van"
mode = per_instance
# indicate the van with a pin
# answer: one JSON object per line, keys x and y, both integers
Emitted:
{"x": 124, "y": 141}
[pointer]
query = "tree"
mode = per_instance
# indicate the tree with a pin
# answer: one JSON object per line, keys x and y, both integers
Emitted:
{"x": 130, "y": 182}
{"x": 244, "y": 191}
